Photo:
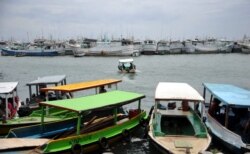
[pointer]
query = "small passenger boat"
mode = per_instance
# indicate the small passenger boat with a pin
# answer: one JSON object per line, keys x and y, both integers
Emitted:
{"x": 55, "y": 114}
{"x": 228, "y": 116}
{"x": 35, "y": 93}
{"x": 98, "y": 133}
{"x": 127, "y": 65}
{"x": 176, "y": 126}
{"x": 8, "y": 101}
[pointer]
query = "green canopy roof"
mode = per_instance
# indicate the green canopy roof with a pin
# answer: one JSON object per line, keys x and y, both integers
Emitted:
{"x": 93, "y": 102}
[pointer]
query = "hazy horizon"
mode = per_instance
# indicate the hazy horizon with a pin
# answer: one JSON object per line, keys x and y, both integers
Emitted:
{"x": 160, "y": 19}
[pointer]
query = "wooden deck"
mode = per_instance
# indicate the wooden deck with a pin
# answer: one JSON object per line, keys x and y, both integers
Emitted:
{"x": 15, "y": 143}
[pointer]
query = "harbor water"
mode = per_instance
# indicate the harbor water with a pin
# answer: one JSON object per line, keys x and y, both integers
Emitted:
{"x": 193, "y": 69}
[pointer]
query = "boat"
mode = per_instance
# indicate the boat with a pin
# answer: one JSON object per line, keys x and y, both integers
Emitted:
{"x": 175, "y": 125}
{"x": 228, "y": 108}
{"x": 8, "y": 100}
{"x": 126, "y": 65}
{"x": 29, "y": 52}
{"x": 245, "y": 47}
{"x": 120, "y": 47}
{"x": 163, "y": 48}
{"x": 149, "y": 47}
{"x": 207, "y": 46}
{"x": 188, "y": 47}
{"x": 55, "y": 114}
{"x": 176, "y": 47}
{"x": 80, "y": 50}
{"x": 96, "y": 133}
{"x": 36, "y": 95}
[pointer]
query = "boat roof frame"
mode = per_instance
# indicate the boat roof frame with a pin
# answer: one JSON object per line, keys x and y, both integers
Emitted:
{"x": 73, "y": 87}
{"x": 229, "y": 94}
{"x": 55, "y": 79}
{"x": 8, "y": 87}
{"x": 130, "y": 60}
{"x": 96, "y": 102}
{"x": 176, "y": 91}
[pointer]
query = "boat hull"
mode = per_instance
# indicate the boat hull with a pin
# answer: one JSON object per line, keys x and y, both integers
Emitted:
{"x": 92, "y": 141}
{"x": 20, "y": 53}
{"x": 178, "y": 134}
{"x": 35, "y": 118}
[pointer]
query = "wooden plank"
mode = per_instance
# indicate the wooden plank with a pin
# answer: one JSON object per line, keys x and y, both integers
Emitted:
{"x": 14, "y": 143}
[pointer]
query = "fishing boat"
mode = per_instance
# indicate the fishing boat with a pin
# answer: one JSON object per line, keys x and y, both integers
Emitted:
{"x": 175, "y": 126}
{"x": 120, "y": 47}
{"x": 55, "y": 114}
{"x": 176, "y": 47}
{"x": 126, "y": 65}
{"x": 30, "y": 52}
{"x": 163, "y": 47}
{"x": 96, "y": 133}
{"x": 149, "y": 47}
{"x": 228, "y": 115}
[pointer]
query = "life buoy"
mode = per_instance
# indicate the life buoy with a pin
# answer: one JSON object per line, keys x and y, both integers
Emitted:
{"x": 76, "y": 149}
{"x": 103, "y": 142}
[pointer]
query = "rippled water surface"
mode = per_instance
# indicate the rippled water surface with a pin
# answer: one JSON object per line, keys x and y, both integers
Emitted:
{"x": 193, "y": 69}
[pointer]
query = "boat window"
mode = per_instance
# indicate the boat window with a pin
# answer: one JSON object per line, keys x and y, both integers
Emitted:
{"x": 127, "y": 64}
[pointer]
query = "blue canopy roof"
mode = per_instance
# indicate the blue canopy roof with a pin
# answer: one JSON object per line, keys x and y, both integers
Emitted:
{"x": 229, "y": 94}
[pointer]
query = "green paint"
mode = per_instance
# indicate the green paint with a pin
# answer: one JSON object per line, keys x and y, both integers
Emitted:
{"x": 86, "y": 103}
{"x": 93, "y": 137}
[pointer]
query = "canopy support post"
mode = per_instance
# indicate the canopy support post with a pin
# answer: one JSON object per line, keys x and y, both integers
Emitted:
{"x": 139, "y": 105}
{"x": 115, "y": 115}
{"x": 226, "y": 118}
{"x": 6, "y": 107}
{"x": 42, "y": 118}
{"x": 78, "y": 124}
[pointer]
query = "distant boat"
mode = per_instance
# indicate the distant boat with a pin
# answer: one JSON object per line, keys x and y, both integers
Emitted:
{"x": 245, "y": 47}
{"x": 127, "y": 65}
{"x": 28, "y": 52}
{"x": 176, "y": 47}
{"x": 149, "y": 47}
{"x": 228, "y": 115}
{"x": 163, "y": 48}
{"x": 175, "y": 126}
{"x": 207, "y": 46}
{"x": 122, "y": 47}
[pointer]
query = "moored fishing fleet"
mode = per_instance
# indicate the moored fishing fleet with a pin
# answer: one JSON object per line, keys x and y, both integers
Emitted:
{"x": 53, "y": 120}
{"x": 122, "y": 47}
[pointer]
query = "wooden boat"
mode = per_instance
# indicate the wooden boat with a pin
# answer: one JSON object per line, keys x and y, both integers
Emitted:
{"x": 96, "y": 133}
{"x": 228, "y": 116}
{"x": 55, "y": 114}
{"x": 177, "y": 128}
{"x": 126, "y": 65}
{"x": 29, "y": 52}
{"x": 8, "y": 93}
{"x": 35, "y": 86}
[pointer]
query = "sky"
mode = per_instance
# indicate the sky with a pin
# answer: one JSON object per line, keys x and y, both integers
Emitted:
{"x": 139, "y": 19}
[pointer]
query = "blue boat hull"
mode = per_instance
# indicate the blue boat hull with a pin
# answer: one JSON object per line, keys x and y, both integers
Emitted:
{"x": 8, "y": 52}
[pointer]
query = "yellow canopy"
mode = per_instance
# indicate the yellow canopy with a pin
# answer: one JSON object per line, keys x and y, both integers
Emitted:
{"x": 82, "y": 85}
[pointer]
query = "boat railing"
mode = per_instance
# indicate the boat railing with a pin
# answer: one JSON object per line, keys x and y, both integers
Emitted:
{"x": 224, "y": 133}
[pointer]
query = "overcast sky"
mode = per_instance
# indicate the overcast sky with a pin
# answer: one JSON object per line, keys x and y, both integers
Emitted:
{"x": 155, "y": 19}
